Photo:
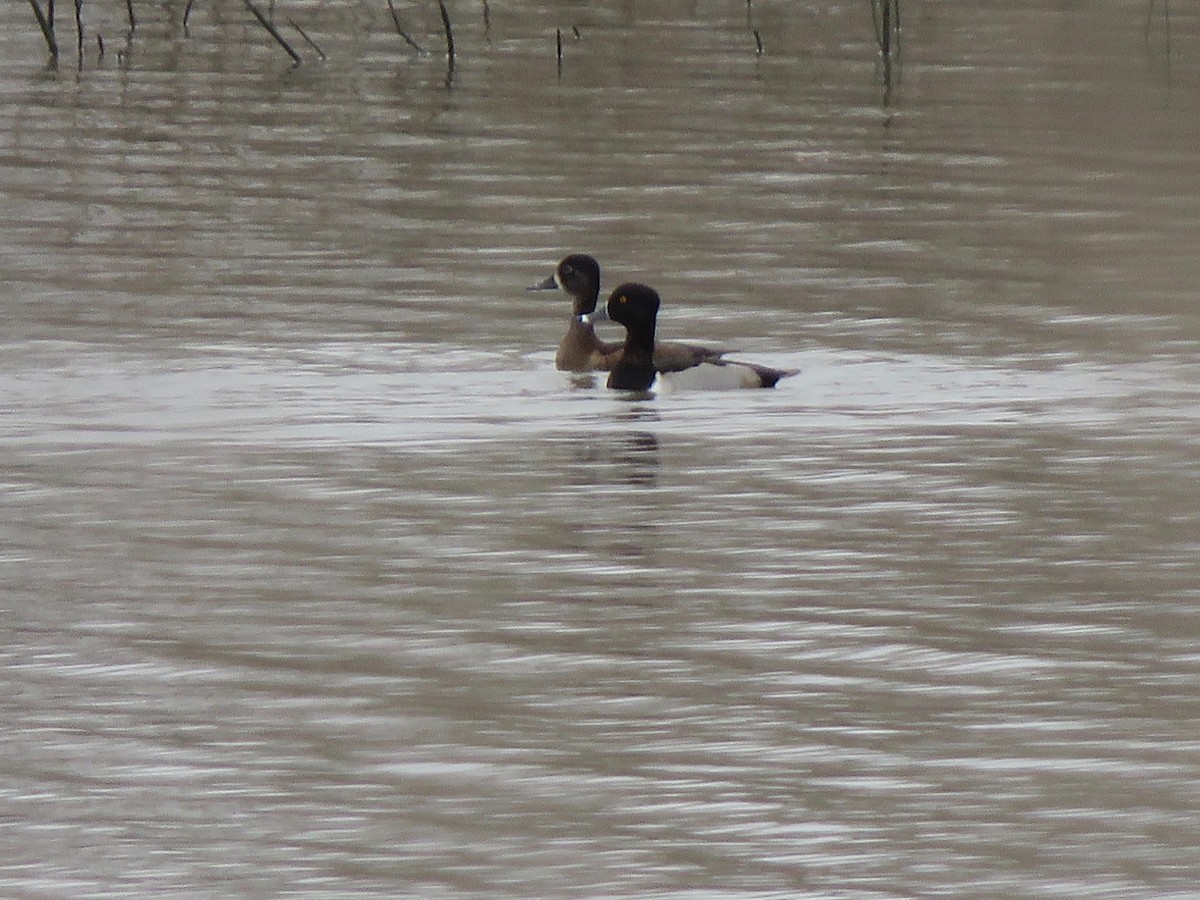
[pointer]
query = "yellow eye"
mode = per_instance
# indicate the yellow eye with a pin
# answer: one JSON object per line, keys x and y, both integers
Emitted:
{"x": 622, "y": 299}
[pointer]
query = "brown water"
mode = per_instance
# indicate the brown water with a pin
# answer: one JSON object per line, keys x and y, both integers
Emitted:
{"x": 318, "y": 580}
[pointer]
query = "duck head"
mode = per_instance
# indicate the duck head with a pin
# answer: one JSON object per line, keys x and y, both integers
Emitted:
{"x": 578, "y": 275}
{"x": 636, "y": 307}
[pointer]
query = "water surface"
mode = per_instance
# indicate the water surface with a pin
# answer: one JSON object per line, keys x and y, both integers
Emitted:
{"x": 320, "y": 581}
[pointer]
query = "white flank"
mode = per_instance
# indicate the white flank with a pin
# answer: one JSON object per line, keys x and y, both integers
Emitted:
{"x": 708, "y": 377}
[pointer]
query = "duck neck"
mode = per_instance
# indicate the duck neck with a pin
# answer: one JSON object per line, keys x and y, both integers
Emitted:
{"x": 580, "y": 326}
{"x": 583, "y": 306}
{"x": 634, "y": 370}
{"x": 640, "y": 344}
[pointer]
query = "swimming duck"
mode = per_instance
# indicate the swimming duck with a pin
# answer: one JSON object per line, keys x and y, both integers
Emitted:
{"x": 581, "y": 350}
{"x": 636, "y": 307}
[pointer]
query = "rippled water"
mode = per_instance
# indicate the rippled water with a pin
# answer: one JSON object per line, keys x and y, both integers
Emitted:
{"x": 320, "y": 581}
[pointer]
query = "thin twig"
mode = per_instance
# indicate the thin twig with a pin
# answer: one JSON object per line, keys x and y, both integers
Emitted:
{"x": 757, "y": 43}
{"x": 79, "y": 28}
{"x": 47, "y": 28}
{"x": 187, "y": 11}
{"x": 132, "y": 18}
{"x": 100, "y": 44}
{"x": 885, "y": 21}
{"x": 885, "y": 16}
{"x": 449, "y": 34}
{"x": 274, "y": 31}
{"x": 400, "y": 31}
{"x": 311, "y": 42}
{"x": 885, "y": 31}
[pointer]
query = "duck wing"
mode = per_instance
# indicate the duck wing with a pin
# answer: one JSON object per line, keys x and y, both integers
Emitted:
{"x": 673, "y": 356}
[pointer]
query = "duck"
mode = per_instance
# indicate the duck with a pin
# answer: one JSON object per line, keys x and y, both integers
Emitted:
{"x": 581, "y": 350}
{"x": 636, "y": 307}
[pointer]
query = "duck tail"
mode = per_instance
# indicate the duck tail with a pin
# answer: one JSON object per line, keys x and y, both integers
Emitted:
{"x": 767, "y": 375}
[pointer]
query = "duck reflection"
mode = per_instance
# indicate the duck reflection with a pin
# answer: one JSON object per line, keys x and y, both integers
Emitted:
{"x": 583, "y": 381}
{"x": 625, "y": 456}
{"x": 638, "y": 454}
{"x": 615, "y": 472}
{"x": 636, "y": 451}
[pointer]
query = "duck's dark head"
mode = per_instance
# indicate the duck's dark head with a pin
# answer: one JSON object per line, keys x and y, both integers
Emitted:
{"x": 636, "y": 307}
{"x": 578, "y": 275}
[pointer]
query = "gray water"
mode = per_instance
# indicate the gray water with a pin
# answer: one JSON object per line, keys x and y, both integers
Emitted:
{"x": 319, "y": 581}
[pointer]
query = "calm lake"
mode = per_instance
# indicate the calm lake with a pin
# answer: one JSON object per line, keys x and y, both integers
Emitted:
{"x": 318, "y": 580}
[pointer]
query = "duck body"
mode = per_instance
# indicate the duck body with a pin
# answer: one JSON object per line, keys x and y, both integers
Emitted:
{"x": 724, "y": 375}
{"x": 581, "y": 350}
{"x": 636, "y": 307}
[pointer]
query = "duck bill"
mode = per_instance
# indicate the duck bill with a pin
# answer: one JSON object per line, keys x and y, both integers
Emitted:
{"x": 548, "y": 285}
{"x": 597, "y": 315}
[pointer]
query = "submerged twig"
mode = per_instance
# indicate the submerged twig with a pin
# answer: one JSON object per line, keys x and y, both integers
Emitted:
{"x": 449, "y": 35}
{"x": 132, "y": 17}
{"x": 558, "y": 44}
{"x": 265, "y": 22}
{"x": 187, "y": 12}
{"x": 757, "y": 43}
{"x": 308, "y": 40}
{"x": 885, "y": 30}
{"x": 79, "y": 29}
{"x": 885, "y": 17}
{"x": 1166, "y": 16}
{"x": 47, "y": 26}
{"x": 400, "y": 31}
